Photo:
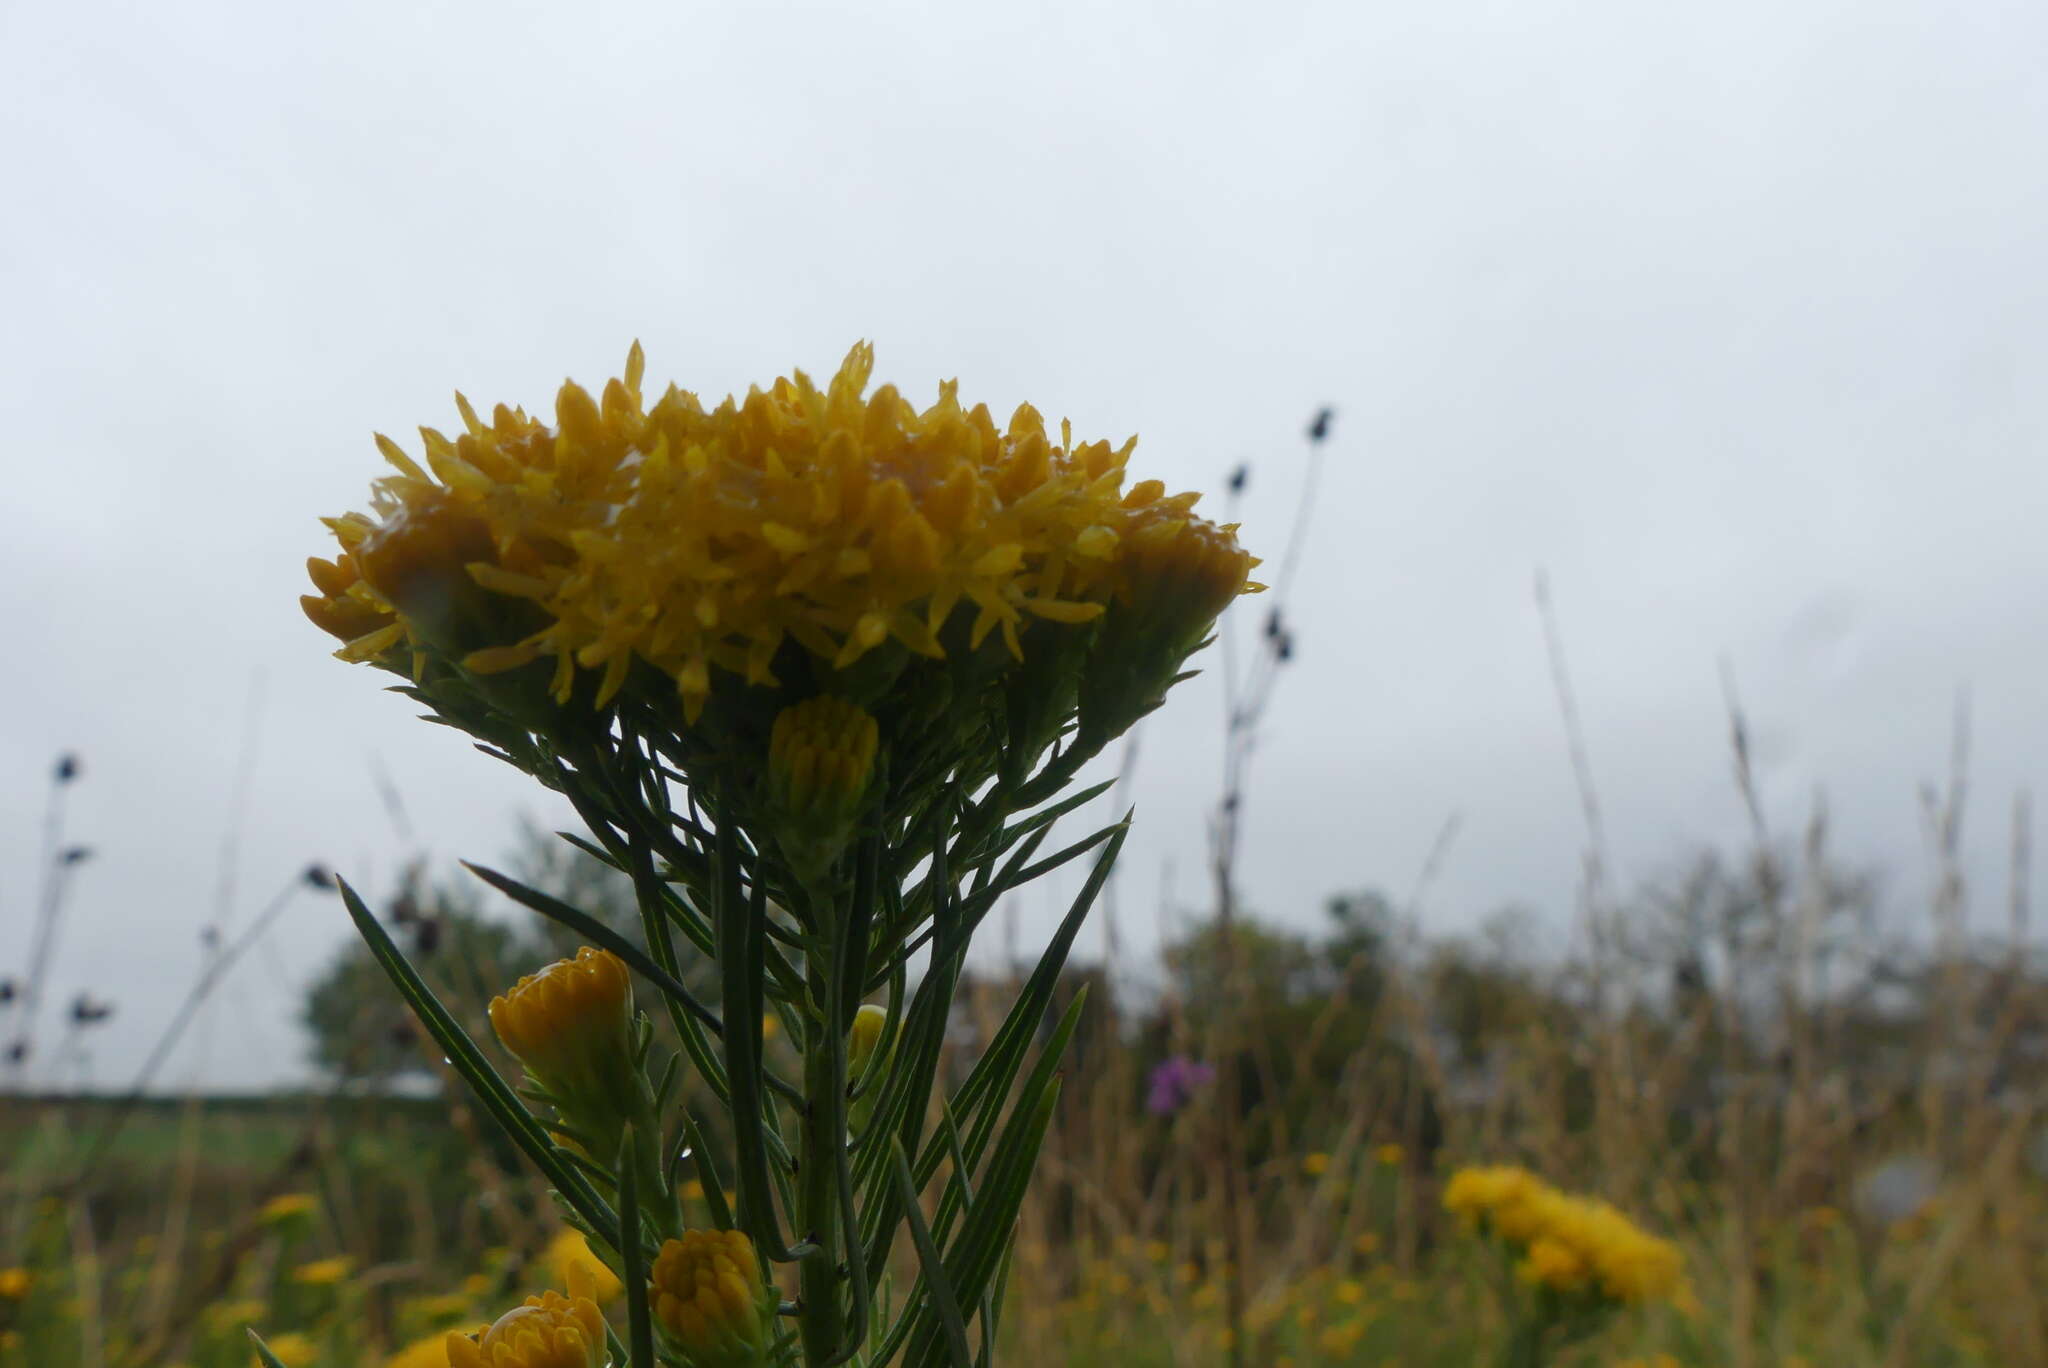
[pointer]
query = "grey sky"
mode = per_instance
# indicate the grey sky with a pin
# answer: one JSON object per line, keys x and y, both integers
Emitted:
{"x": 1732, "y": 316}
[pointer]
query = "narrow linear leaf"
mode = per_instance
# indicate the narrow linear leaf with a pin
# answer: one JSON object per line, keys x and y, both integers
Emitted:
{"x": 994, "y": 1072}
{"x": 938, "y": 1287}
{"x": 263, "y": 1353}
{"x": 589, "y": 927}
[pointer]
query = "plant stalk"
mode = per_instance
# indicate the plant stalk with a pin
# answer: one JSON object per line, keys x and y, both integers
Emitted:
{"x": 823, "y": 1315}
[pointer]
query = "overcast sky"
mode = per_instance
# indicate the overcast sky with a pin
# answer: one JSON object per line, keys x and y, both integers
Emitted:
{"x": 1731, "y": 317}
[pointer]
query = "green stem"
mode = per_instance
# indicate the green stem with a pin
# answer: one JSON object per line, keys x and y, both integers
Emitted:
{"x": 823, "y": 1316}
{"x": 1525, "y": 1347}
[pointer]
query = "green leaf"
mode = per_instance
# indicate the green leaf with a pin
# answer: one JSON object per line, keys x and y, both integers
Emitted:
{"x": 589, "y": 927}
{"x": 707, "y": 1174}
{"x": 990, "y": 1079}
{"x": 985, "y": 1234}
{"x": 1043, "y": 1076}
{"x": 938, "y": 1287}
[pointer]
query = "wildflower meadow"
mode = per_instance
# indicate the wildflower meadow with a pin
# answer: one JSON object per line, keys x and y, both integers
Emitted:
{"x": 725, "y": 1082}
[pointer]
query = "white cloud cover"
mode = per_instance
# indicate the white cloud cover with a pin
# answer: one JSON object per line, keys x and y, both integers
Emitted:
{"x": 1731, "y": 317}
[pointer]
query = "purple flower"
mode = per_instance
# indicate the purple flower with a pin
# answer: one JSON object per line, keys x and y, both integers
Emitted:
{"x": 1174, "y": 1083}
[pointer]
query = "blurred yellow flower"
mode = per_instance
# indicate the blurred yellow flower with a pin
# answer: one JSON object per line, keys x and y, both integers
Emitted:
{"x": 569, "y": 1259}
{"x": 1316, "y": 1165}
{"x": 287, "y": 1205}
{"x": 1339, "y": 1340}
{"x": 1607, "y": 1250}
{"x": 14, "y": 1283}
{"x": 292, "y": 1349}
{"x": 322, "y": 1272}
{"x": 445, "y": 1306}
{"x": 234, "y": 1315}
{"x": 430, "y": 1352}
{"x": 1552, "y": 1263}
{"x": 1390, "y": 1154}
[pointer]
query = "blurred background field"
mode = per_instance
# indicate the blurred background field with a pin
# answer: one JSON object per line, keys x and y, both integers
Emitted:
{"x": 1841, "y": 1131}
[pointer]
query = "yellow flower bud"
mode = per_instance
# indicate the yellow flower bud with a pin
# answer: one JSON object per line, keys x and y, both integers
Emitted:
{"x": 548, "y": 1331}
{"x": 868, "y": 1025}
{"x": 821, "y": 759}
{"x": 571, "y": 1026}
{"x": 1184, "y": 568}
{"x": 1174, "y": 573}
{"x": 710, "y": 1300}
{"x": 821, "y": 755}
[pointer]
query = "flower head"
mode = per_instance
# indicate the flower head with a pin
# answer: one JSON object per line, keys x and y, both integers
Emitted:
{"x": 547, "y": 1331}
{"x": 800, "y": 528}
{"x": 15, "y": 1283}
{"x": 1174, "y": 1083}
{"x": 571, "y": 1023}
{"x": 710, "y": 1300}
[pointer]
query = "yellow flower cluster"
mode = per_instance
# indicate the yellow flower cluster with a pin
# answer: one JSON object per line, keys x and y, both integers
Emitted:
{"x": 1571, "y": 1244}
{"x": 548, "y": 1331}
{"x": 694, "y": 538}
{"x": 708, "y": 1296}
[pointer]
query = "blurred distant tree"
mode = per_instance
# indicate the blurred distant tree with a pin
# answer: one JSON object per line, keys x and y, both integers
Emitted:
{"x": 362, "y": 1029}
